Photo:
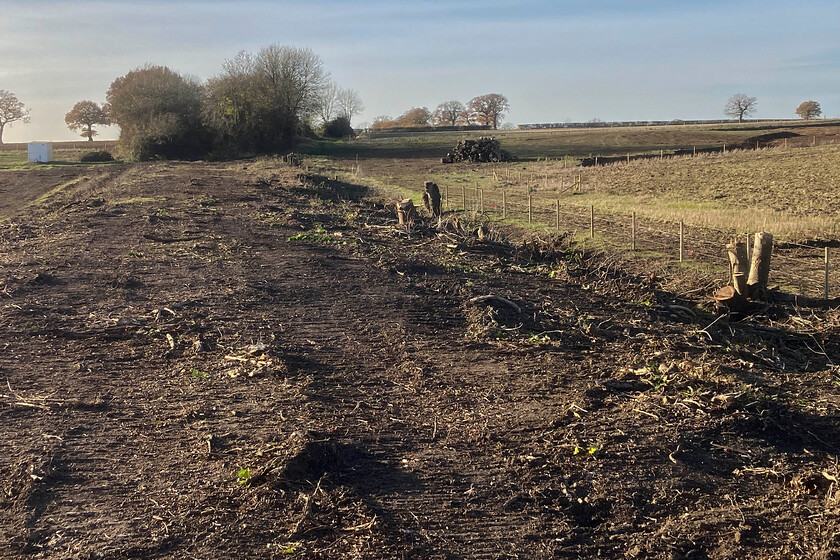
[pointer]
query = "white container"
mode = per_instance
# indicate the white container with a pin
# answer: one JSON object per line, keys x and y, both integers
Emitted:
{"x": 40, "y": 151}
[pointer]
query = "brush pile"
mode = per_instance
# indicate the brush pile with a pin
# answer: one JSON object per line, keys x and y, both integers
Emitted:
{"x": 485, "y": 149}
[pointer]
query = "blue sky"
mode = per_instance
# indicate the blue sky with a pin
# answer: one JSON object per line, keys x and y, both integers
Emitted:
{"x": 555, "y": 61}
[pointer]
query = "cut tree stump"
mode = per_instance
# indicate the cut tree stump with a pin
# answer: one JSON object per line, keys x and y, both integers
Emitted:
{"x": 760, "y": 265}
{"x": 729, "y": 300}
{"x": 739, "y": 265}
{"x": 406, "y": 212}
{"x": 431, "y": 199}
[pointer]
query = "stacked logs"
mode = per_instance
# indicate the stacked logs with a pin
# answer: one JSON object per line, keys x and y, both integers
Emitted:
{"x": 485, "y": 149}
{"x": 749, "y": 275}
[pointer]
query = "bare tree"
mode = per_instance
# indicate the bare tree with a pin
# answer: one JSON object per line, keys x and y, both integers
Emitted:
{"x": 326, "y": 102}
{"x": 84, "y": 115}
{"x": 809, "y": 110}
{"x": 291, "y": 77}
{"x": 740, "y": 105}
{"x": 11, "y": 110}
{"x": 488, "y": 109}
{"x": 448, "y": 113}
{"x": 258, "y": 102}
{"x": 349, "y": 103}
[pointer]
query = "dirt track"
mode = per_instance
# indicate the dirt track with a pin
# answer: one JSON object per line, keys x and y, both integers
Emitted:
{"x": 220, "y": 361}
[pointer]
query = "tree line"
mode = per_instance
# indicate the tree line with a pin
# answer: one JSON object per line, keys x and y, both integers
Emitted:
{"x": 256, "y": 104}
{"x": 484, "y": 110}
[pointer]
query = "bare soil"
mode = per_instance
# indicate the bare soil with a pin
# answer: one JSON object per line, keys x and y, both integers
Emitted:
{"x": 234, "y": 361}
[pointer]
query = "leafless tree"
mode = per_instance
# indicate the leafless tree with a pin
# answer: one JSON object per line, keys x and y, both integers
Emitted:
{"x": 349, "y": 103}
{"x": 809, "y": 110}
{"x": 258, "y": 102}
{"x": 448, "y": 113}
{"x": 488, "y": 109}
{"x": 326, "y": 102}
{"x": 291, "y": 77}
{"x": 740, "y": 105}
{"x": 11, "y": 110}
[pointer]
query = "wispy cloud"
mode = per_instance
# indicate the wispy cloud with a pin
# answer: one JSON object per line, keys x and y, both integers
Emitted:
{"x": 553, "y": 59}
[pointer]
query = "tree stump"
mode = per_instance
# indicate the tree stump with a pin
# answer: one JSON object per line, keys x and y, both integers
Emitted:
{"x": 727, "y": 300}
{"x": 760, "y": 266}
{"x": 739, "y": 265}
{"x": 406, "y": 212}
{"x": 431, "y": 199}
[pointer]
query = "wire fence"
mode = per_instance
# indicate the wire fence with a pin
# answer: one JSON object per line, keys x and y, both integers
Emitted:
{"x": 801, "y": 269}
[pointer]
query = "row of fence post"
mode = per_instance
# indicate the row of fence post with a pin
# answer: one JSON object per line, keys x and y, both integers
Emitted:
{"x": 479, "y": 201}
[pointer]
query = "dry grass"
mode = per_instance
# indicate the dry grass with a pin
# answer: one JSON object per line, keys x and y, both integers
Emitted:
{"x": 792, "y": 193}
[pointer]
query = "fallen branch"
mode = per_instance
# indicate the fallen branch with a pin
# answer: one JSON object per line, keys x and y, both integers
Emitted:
{"x": 491, "y": 297}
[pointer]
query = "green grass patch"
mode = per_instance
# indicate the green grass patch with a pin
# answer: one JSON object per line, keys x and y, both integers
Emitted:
{"x": 55, "y": 190}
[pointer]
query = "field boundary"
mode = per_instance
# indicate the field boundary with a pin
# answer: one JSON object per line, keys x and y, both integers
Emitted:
{"x": 803, "y": 269}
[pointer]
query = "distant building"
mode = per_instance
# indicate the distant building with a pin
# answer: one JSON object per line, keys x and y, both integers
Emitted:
{"x": 40, "y": 151}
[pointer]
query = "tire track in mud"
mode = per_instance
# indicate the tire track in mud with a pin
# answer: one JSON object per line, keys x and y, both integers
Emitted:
{"x": 460, "y": 510}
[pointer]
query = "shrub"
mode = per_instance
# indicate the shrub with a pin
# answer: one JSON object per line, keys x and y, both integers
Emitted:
{"x": 92, "y": 157}
{"x": 159, "y": 114}
{"x": 338, "y": 128}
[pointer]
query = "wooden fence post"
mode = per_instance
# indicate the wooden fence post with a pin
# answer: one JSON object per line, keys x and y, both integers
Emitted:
{"x": 464, "y": 196}
{"x": 826, "y": 272}
{"x": 529, "y": 208}
{"x": 681, "y": 241}
{"x": 481, "y": 200}
{"x": 504, "y": 204}
{"x": 633, "y": 233}
{"x": 592, "y": 221}
{"x": 557, "y": 212}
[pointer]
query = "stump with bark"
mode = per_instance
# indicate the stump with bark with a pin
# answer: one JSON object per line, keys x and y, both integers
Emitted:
{"x": 406, "y": 212}
{"x": 739, "y": 265}
{"x": 760, "y": 265}
{"x": 431, "y": 199}
{"x": 749, "y": 277}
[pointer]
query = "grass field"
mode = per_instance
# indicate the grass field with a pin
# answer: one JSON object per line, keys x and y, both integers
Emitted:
{"x": 13, "y": 157}
{"x": 787, "y": 186}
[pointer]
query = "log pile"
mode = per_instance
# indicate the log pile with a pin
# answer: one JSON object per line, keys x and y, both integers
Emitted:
{"x": 485, "y": 149}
